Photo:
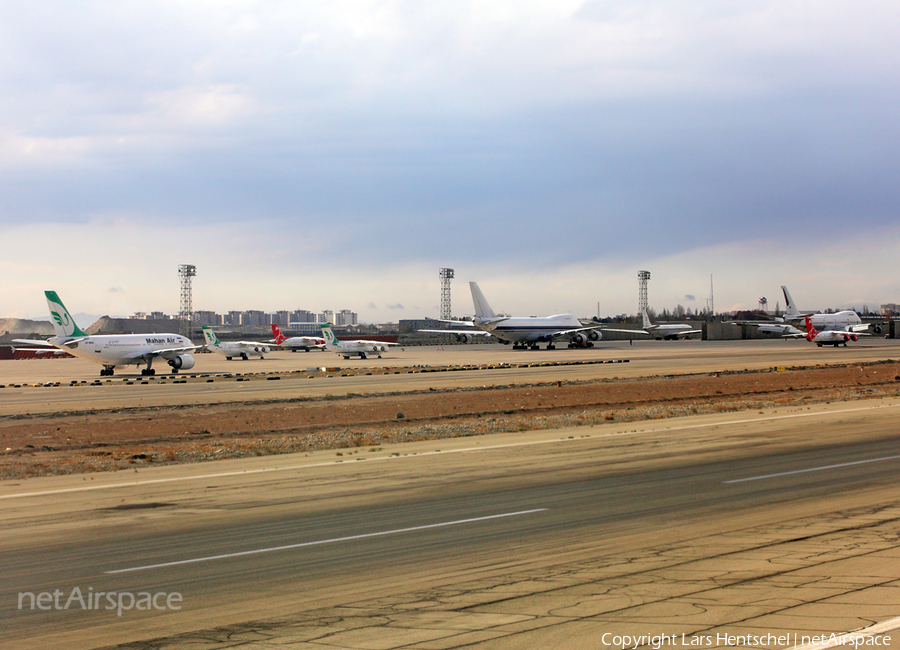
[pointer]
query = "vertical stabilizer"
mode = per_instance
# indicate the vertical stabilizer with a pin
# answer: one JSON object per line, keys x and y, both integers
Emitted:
{"x": 792, "y": 311}
{"x": 482, "y": 308}
{"x": 810, "y": 329}
{"x": 647, "y": 324}
{"x": 276, "y": 332}
{"x": 331, "y": 341}
{"x": 63, "y": 323}
{"x": 210, "y": 336}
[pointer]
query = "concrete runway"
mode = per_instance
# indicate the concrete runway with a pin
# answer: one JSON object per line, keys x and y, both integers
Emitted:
{"x": 784, "y": 521}
{"x": 211, "y": 385}
{"x": 777, "y": 522}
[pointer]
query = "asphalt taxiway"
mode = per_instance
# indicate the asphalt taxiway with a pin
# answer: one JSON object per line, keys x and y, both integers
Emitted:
{"x": 30, "y": 386}
{"x": 743, "y": 523}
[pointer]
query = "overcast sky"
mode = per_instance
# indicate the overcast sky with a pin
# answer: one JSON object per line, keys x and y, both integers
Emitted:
{"x": 336, "y": 155}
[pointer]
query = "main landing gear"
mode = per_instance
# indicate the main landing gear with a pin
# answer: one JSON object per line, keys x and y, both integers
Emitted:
{"x": 107, "y": 371}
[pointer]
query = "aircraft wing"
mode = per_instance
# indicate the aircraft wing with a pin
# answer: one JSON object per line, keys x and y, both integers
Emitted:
{"x": 460, "y": 323}
{"x": 37, "y": 342}
{"x": 777, "y": 321}
{"x": 51, "y": 350}
{"x": 168, "y": 353}
{"x": 471, "y": 332}
{"x": 568, "y": 333}
{"x": 41, "y": 343}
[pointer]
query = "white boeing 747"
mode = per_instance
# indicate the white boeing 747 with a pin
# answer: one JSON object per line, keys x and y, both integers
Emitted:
{"x": 846, "y": 321}
{"x": 349, "y": 348}
{"x": 112, "y": 350}
{"x": 294, "y": 343}
{"x": 242, "y": 349}
{"x": 527, "y": 331}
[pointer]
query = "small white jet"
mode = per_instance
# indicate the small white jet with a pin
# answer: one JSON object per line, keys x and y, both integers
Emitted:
{"x": 294, "y": 343}
{"x": 669, "y": 332}
{"x": 112, "y": 350}
{"x": 349, "y": 348}
{"x": 230, "y": 349}
{"x": 829, "y": 337}
{"x": 528, "y": 331}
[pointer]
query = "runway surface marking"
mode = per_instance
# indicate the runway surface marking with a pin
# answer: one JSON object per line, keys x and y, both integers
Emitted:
{"x": 328, "y": 541}
{"x": 846, "y": 639}
{"x": 812, "y": 469}
{"x": 197, "y": 477}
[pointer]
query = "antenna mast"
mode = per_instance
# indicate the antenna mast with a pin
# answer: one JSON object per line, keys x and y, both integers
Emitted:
{"x": 446, "y": 276}
{"x": 643, "y": 277}
{"x": 186, "y": 272}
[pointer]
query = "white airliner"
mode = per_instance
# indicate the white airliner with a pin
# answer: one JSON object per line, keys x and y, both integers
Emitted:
{"x": 349, "y": 348}
{"x": 527, "y": 332}
{"x": 242, "y": 349}
{"x": 113, "y": 350}
{"x": 847, "y": 321}
{"x": 294, "y": 343}
{"x": 668, "y": 332}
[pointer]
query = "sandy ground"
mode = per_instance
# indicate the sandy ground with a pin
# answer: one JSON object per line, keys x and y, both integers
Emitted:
{"x": 117, "y": 439}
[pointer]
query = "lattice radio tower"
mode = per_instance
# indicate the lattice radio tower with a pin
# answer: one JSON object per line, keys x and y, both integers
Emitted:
{"x": 643, "y": 277}
{"x": 446, "y": 276}
{"x": 186, "y": 272}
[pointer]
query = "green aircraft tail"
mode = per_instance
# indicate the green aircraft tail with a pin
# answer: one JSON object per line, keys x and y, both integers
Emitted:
{"x": 330, "y": 338}
{"x": 63, "y": 323}
{"x": 209, "y": 335}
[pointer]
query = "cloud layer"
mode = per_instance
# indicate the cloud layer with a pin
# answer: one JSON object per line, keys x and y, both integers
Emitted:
{"x": 314, "y": 154}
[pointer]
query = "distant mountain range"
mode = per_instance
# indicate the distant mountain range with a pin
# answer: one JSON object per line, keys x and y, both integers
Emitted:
{"x": 84, "y": 320}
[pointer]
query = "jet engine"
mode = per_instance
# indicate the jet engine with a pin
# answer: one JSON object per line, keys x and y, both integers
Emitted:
{"x": 264, "y": 349}
{"x": 182, "y": 362}
{"x": 876, "y": 329}
{"x": 594, "y": 335}
{"x": 463, "y": 338}
{"x": 580, "y": 339}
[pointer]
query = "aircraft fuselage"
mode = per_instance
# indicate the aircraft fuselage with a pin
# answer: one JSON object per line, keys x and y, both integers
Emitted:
{"x": 120, "y": 349}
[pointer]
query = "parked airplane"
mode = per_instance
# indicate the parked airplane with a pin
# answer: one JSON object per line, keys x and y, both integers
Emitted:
{"x": 525, "y": 332}
{"x": 242, "y": 349}
{"x": 294, "y": 343}
{"x": 829, "y": 337}
{"x": 113, "y": 350}
{"x": 348, "y": 348}
{"x": 668, "y": 332}
{"x": 847, "y": 320}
